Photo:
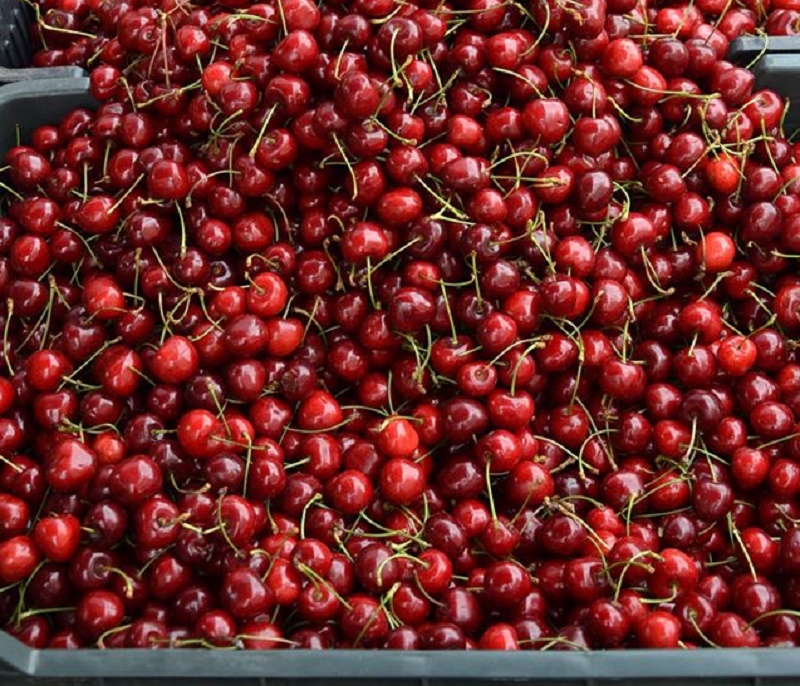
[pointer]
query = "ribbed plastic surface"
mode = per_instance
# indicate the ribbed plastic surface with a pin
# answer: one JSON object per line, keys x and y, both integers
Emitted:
{"x": 394, "y": 681}
{"x": 28, "y": 104}
{"x": 775, "y": 62}
{"x": 15, "y": 48}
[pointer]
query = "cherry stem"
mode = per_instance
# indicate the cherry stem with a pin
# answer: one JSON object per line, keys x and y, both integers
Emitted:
{"x": 276, "y": 639}
{"x": 775, "y": 613}
{"x": 373, "y": 617}
{"x": 4, "y": 460}
{"x": 489, "y": 490}
{"x": 632, "y": 561}
{"x": 778, "y": 441}
{"x": 740, "y": 542}
{"x": 44, "y": 611}
{"x": 117, "y": 629}
{"x": 314, "y": 499}
{"x": 557, "y": 640}
{"x": 318, "y": 578}
{"x": 263, "y": 128}
{"x": 125, "y": 577}
{"x": 247, "y": 461}
{"x": 661, "y": 601}
{"x": 223, "y": 528}
{"x": 599, "y": 543}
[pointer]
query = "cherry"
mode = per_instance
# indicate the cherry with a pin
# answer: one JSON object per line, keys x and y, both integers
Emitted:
{"x": 674, "y": 574}
{"x": 217, "y": 627}
{"x": 15, "y": 515}
{"x": 402, "y": 481}
{"x": 57, "y": 537}
{"x": 118, "y": 370}
{"x": 463, "y": 418}
{"x": 168, "y": 180}
{"x": 72, "y": 464}
{"x": 771, "y": 419}
{"x": 585, "y": 579}
{"x": 319, "y": 411}
{"x": 731, "y": 630}
{"x": 658, "y": 630}
{"x": 376, "y": 569}
{"x": 562, "y": 535}
{"x": 499, "y": 637}
{"x": 461, "y": 608}
{"x": 623, "y": 381}
{"x": 712, "y": 499}
{"x": 364, "y": 621}
{"x": 608, "y": 623}
{"x": 318, "y": 603}
{"x": 135, "y": 479}
{"x": 18, "y": 560}
{"x": 546, "y": 119}
{"x": 29, "y": 168}
{"x": 245, "y": 595}
{"x": 176, "y": 361}
{"x": 350, "y": 491}
{"x": 737, "y": 355}
{"x": 98, "y": 612}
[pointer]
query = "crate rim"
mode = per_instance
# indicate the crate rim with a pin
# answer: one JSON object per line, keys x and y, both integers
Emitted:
{"x": 372, "y": 664}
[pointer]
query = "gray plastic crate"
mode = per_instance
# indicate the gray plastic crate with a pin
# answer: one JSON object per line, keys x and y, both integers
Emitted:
{"x": 775, "y": 62}
{"x": 43, "y": 96}
{"x": 767, "y": 667}
{"x": 15, "y": 49}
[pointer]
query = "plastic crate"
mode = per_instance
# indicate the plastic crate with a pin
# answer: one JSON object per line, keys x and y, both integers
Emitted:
{"x": 33, "y": 97}
{"x": 15, "y": 49}
{"x": 775, "y": 62}
{"x": 765, "y": 667}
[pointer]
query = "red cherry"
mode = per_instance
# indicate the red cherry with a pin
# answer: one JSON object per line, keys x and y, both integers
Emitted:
{"x": 245, "y": 595}
{"x": 176, "y": 361}
{"x": 18, "y": 559}
{"x": 402, "y": 481}
{"x": 658, "y": 630}
{"x": 398, "y": 438}
{"x": 57, "y": 537}
{"x": 716, "y": 252}
{"x": 168, "y": 180}
{"x": 99, "y": 611}
{"x": 350, "y": 491}
{"x": 319, "y": 411}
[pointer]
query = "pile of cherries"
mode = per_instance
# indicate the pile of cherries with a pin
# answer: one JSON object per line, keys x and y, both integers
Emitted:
{"x": 403, "y": 325}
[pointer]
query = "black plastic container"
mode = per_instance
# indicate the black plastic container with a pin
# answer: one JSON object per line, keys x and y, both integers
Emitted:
{"x": 15, "y": 48}
{"x": 42, "y": 97}
{"x": 775, "y": 62}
